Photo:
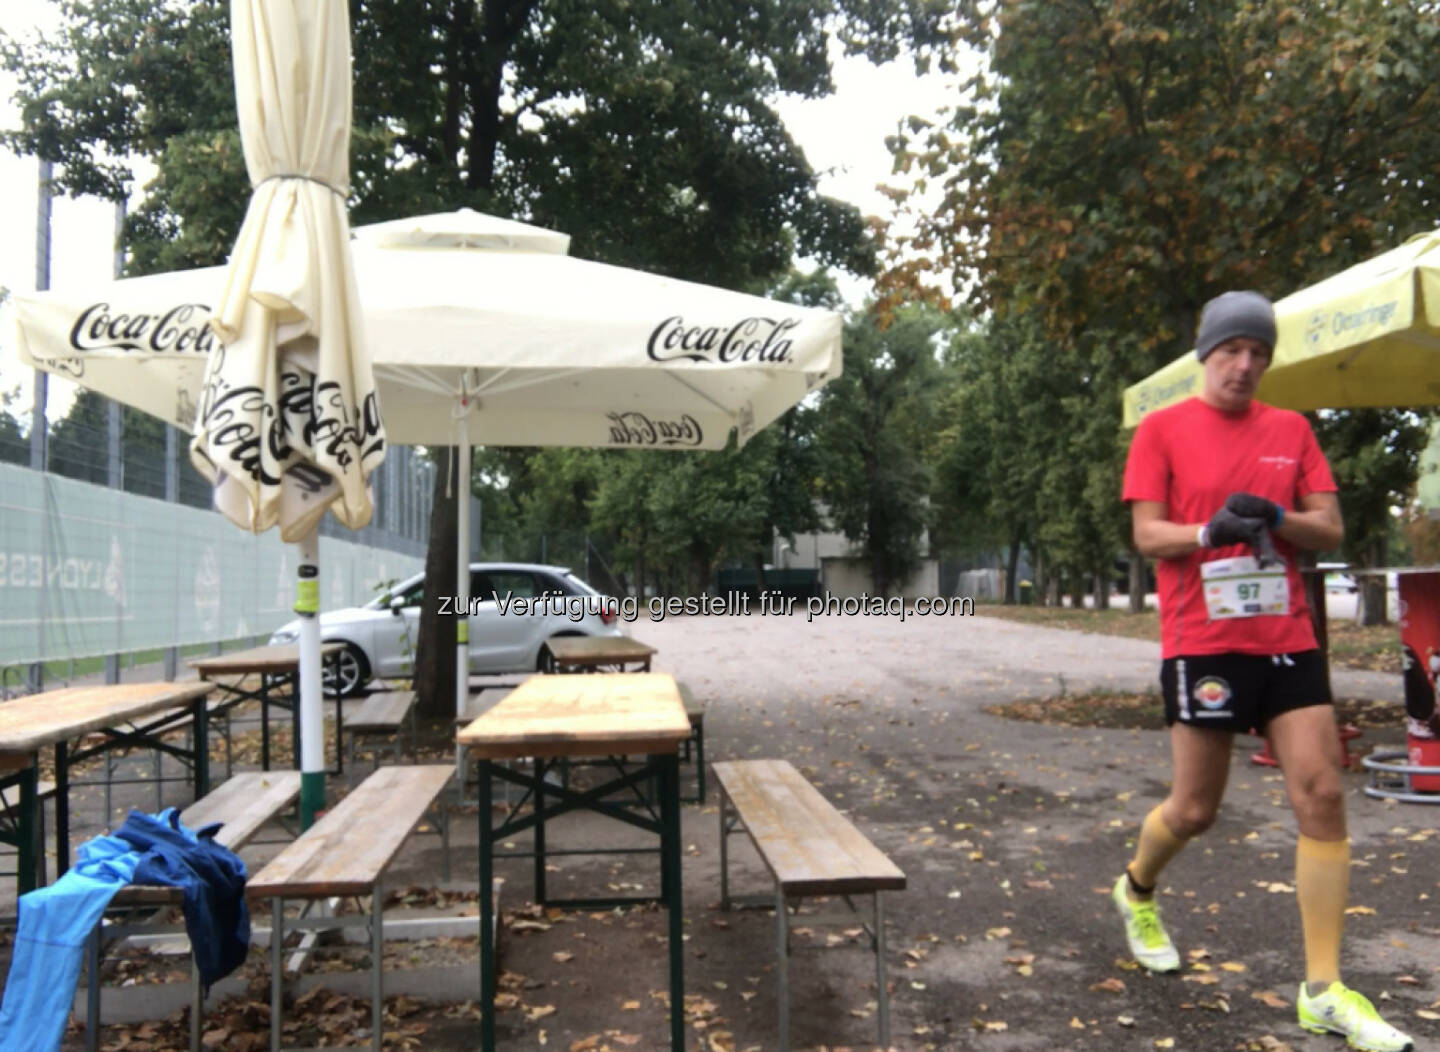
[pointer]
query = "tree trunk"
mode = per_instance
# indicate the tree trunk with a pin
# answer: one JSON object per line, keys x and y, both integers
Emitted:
{"x": 1012, "y": 568}
{"x": 1077, "y": 589}
{"x": 1137, "y": 582}
{"x": 1371, "y": 608}
{"x": 435, "y": 649}
{"x": 1102, "y": 590}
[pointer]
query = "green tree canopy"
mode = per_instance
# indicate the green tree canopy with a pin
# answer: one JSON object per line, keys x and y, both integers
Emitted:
{"x": 1116, "y": 164}
{"x": 874, "y": 428}
{"x": 643, "y": 129}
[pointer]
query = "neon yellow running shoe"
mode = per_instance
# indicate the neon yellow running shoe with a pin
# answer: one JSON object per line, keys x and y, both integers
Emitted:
{"x": 1149, "y": 944}
{"x": 1341, "y": 1010}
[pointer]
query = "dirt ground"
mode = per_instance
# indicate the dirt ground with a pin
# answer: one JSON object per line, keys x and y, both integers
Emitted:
{"x": 1010, "y": 833}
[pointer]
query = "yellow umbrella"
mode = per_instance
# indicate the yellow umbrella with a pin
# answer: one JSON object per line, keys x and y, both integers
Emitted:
{"x": 1166, "y": 386}
{"x": 1366, "y": 337}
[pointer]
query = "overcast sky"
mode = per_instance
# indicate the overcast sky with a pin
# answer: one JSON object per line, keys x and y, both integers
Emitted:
{"x": 843, "y": 136}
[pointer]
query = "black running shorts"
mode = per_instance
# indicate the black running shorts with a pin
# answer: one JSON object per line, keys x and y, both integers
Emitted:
{"x": 1241, "y": 692}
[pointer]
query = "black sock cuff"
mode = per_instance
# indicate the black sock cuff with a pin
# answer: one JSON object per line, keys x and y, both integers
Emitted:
{"x": 1136, "y": 886}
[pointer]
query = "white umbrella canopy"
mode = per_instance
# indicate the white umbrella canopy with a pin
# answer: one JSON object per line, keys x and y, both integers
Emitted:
{"x": 1367, "y": 337}
{"x": 542, "y": 348}
{"x": 481, "y": 330}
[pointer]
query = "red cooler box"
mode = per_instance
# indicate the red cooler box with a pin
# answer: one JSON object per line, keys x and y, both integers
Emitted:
{"x": 1420, "y": 641}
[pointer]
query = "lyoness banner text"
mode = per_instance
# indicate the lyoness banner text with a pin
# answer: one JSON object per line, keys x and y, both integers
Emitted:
{"x": 748, "y": 340}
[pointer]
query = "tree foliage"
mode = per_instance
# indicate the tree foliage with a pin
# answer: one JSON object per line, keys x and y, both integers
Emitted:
{"x": 643, "y": 128}
{"x": 875, "y": 423}
{"x": 1119, "y": 162}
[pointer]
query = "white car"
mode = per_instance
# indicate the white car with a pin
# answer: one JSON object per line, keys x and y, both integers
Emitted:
{"x": 514, "y": 609}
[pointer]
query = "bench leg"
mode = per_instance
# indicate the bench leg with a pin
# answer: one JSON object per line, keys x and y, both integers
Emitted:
{"x": 92, "y": 991}
{"x": 724, "y": 853}
{"x": 700, "y": 764}
{"x": 277, "y": 969}
{"x": 377, "y": 971}
{"x": 782, "y": 967}
{"x": 197, "y": 1005}
{"x": 883, "y": 993}
{"x": 487, "y": 909}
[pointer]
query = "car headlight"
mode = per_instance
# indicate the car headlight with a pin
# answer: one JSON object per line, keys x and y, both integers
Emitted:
{"x": 285, "y": 635}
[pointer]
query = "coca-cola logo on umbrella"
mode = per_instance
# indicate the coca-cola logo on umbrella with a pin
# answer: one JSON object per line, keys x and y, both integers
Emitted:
{"x": 637, "y": 429}
{"x": 762, "y": 340}
{"x": 183, "y": 328}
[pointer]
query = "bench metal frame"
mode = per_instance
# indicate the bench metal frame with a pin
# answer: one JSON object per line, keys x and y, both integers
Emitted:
{"x": 372, "y": 919}
{"x": 137, "y": 917}
{"x": 395, "y": 746}
{"x": 788, "y": 916}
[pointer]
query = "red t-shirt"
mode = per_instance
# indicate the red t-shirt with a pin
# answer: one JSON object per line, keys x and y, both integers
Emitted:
{"x": 1192, "y": 456}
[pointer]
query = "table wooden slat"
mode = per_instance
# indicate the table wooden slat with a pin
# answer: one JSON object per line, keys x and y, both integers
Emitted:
{"x": 575, "y": 650}
{"x": 283, "y": 658}
{"x": 580, "y": 715}
{"x": 346, "y": 850}
{"x": 37, "y": 720}
{"x": 809, "y": 846}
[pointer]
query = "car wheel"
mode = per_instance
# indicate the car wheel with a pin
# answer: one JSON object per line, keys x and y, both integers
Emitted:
{"x": 347, "y": 672}
{"x": 545, "y": 661}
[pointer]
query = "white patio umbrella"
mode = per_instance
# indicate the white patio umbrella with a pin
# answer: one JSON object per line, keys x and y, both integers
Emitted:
{"x": 484, "y": 331}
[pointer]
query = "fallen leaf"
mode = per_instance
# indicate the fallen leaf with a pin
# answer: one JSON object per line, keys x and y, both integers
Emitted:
{"x": 1109, "y": 986}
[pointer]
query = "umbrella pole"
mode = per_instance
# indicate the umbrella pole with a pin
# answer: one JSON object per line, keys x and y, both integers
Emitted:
{"x": 309, "y": 715}
{"x": 462, "y": 563}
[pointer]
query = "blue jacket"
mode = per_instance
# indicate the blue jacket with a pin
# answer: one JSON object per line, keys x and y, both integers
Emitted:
{"x": 213, "y": 878}
{"x": 56, "y": 920}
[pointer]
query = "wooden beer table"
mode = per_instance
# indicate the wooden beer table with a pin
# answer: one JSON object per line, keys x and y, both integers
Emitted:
{"x": 598, "y": 653}
{"x": 554, "y": 717}
{"x": 126, "y": 714}
{"x": 279, "y": 670}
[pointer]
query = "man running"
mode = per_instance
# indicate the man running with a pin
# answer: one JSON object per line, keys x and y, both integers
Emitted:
{"x": 1209, "y": 482}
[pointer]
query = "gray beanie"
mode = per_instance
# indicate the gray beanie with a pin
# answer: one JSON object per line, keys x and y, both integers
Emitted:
{"x": 1233, "y": 314}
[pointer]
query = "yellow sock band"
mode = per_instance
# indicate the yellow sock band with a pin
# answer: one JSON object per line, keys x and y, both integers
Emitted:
{"x": 1322, "y": 885}
{"x": 1156, "y": 846}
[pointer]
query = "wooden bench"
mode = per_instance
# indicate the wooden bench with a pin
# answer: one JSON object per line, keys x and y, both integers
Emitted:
{"x": 346, "y": 854}
{"x": 694, "y": 748}
{"x": 242, "y": 804}
{"x": 810, "y": 849}
{"x": 383, "y": 715}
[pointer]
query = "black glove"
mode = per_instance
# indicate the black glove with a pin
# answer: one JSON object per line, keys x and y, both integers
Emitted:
{"x": 1227, "y": 528}
{"x": 1252, "y": 507}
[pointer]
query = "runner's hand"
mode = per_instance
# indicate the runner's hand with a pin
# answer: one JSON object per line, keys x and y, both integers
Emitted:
{"x": 1253, "y": 507}
{"x": 1227, "y": 528}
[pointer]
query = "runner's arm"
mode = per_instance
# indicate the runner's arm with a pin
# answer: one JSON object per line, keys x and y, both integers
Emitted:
{"x": 1159, "y": 538}
{"x": 1317, "y": 525}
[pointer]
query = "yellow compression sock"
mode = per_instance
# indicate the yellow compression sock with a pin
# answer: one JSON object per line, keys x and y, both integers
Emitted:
{"x": 1156, "y": 847}
{"x": 1322, "y": 882}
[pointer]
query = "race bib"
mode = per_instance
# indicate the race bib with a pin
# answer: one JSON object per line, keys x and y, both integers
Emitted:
{"x": 1239, "y": 588}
